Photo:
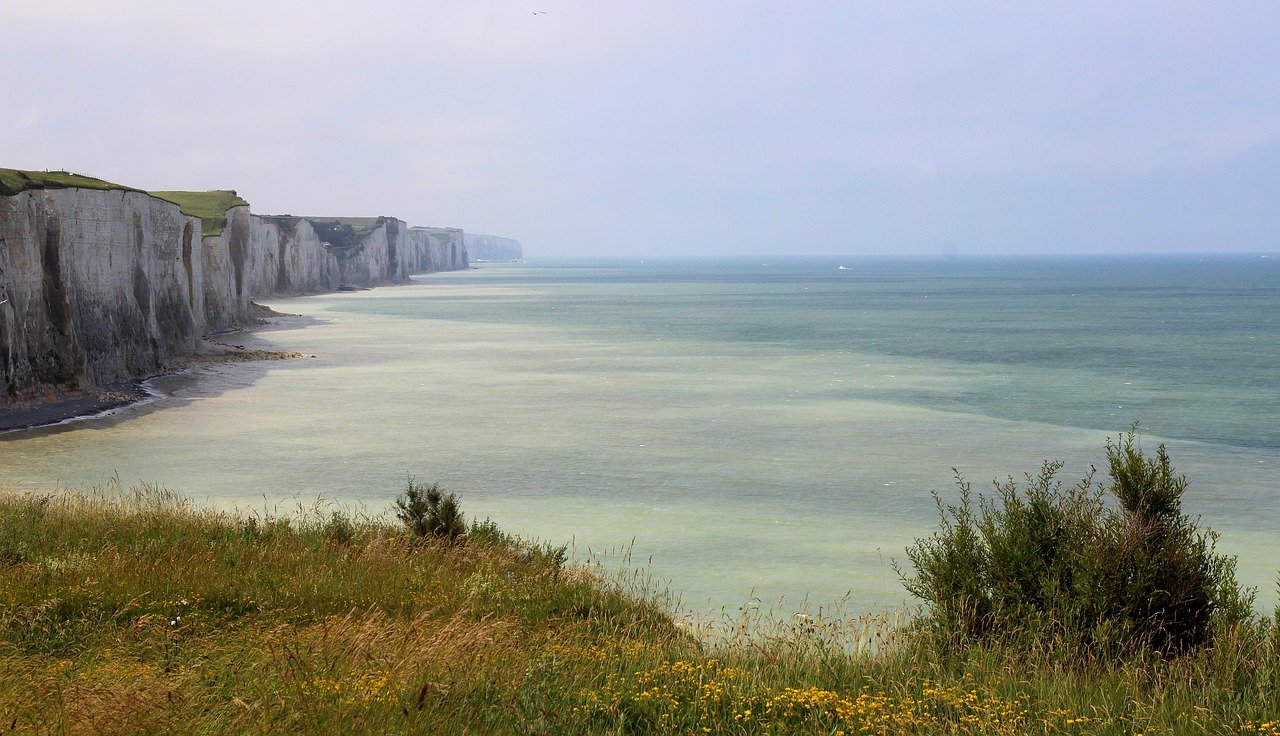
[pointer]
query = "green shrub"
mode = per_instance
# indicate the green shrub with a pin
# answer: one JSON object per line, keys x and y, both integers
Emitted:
{"x": 428, "y": 512}
{"x": 487, "y": 533}
{"x": 1171, "y": 583}
{"x": 339, "y": 529}
{"x": 1059, "y": 563}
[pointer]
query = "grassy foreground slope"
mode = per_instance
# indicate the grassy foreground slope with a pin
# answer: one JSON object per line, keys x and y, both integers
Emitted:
{"x": 140, "y": 613}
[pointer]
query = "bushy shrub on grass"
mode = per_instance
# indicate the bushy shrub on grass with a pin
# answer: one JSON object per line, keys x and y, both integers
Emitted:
{"x": 338, "y": 528}
{"x": 1059, "y": 563}
{"x": 1171, "y": 583}
{"x": 427, "y": 511}
{"x": 487, "y": 533}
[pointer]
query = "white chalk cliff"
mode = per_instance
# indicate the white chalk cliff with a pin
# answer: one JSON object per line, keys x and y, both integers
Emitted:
{"x": 103, "y": 285}
{"x": 492, "y": 248}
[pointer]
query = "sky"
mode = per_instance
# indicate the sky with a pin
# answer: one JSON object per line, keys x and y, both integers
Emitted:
{"x": 679, "y": 128}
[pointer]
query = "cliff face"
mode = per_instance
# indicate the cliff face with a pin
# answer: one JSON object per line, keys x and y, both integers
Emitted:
{"x": 311, "y": 255}
{"x": 288, "y": 258}
{"x": 492, "y": 248}
{"x": 369, "y": 251}
{"x": 104, "y": 284}
{"x": 226, "y": 272}
{"x": 440, "y": 248}
{"x": 277, "y": 255}
{"x": 101, "y": 285}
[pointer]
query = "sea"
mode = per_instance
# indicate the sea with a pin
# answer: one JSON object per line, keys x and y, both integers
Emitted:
{"x": 741, "y": 432}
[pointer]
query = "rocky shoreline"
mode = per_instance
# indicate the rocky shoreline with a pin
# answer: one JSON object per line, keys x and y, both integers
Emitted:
{"x": 73, "y": 407}
{"x": 78, "y": 406}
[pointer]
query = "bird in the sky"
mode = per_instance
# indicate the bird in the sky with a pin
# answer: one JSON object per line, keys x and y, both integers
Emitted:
{"x": 538, "y": 12}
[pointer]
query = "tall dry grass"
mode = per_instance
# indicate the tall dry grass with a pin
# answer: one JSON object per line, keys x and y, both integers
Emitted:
{"x": 138, "y": 612}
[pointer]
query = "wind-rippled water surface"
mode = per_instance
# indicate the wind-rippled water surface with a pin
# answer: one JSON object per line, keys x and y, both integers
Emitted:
{"x": 757, "y": 428}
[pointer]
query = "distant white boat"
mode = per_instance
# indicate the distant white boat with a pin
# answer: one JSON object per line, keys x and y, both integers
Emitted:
{"x": 843, "y": 268}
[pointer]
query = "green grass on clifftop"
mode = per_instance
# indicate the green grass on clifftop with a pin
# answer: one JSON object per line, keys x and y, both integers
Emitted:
{"x": 16, "y": 181}
{"x": 210, "y": 207}
{"x": 444, "y": 234}
{"x": 139, "y": 613}
{"x": 345, "y": 232}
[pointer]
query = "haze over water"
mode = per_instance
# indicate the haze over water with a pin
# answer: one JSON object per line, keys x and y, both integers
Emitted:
{"x": 766, "y": 428}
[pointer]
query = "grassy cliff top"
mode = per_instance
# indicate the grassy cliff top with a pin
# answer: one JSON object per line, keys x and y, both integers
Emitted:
{"x": 16, "y": 181}
{"x": 443, "y": 233}
{"x": 339, "y": 232}
{"x": 372, "y": 223}
{"x": 345, "y": 232}
{"x": 211, "y": 207}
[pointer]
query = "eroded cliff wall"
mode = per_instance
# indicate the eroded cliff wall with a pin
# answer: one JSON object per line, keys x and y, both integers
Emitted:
{"x": 441, "y": 248}
{"x": 492, "y": 248}
{"x": 311, "y": 255}
{"x": 102, "y": 285}
{"x": 97, "y": 286}
{"x": 258, "y": 256}
{"x": 289, "y": 259}
{"x": 368, "y": 253}
{"x": 227, "y": 277}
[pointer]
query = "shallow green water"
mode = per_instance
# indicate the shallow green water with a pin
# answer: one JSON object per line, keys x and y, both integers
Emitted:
{"x": 761, "y": 429}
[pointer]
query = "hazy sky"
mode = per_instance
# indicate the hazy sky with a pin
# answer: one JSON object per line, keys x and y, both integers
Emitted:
{"x": 678, "y": 127}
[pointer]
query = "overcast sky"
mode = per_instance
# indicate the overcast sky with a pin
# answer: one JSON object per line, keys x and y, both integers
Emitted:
{"x": 678, "y": 127}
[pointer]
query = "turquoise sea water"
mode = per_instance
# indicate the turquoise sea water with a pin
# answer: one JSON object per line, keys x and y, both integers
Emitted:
{"x": 752, "y": 427}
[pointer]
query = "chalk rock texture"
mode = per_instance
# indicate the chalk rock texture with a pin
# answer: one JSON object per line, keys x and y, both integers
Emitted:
{"x": 287, "y": 258}
{"x": 103, "y": 285}
{"x": 97, "y": 286}
{"x": 440, "y": 248}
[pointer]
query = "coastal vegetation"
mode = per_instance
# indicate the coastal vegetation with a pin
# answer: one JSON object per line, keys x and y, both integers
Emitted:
{"x": 427, "y": 511}
{"x": 211, "y": 207}
{"x": 139, "y": 612}
{"x": 1109, "y": 578}
{"x": 16, "y": 181}
{"x": 345, "y": 233}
